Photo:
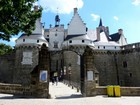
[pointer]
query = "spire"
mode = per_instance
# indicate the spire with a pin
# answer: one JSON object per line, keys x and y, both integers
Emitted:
{"x": 100, "y": 24}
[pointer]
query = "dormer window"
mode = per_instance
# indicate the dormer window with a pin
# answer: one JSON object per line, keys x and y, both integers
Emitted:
{"x": 55, "y": 34}
{"x": 37, "y": 41}
{"x": 47, "y": 35}
{"x": 104, "y": 47}
{"x": 23, "y": 40}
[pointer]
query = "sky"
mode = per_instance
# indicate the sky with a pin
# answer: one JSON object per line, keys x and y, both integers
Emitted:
{"x": 115, "y": 14}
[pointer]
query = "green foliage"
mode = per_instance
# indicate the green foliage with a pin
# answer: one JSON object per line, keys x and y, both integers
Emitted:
{"x": 17, "y": 16}
{"x": 5, "y": 49}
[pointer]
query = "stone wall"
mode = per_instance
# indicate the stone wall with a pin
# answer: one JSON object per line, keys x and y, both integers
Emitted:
{"x": 15, "y": 89}
{"x": 22, "y": 71}
{"x": 125, "y": 91}
{"x": 105, "y": 63}
{"x": 129, "y": 67}
{"x": 118, "y": 67}
{"x": 7, "y": 66}
{"x": 71, "y": 60}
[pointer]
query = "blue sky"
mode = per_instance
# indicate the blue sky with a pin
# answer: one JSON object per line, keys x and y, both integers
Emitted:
{"x": 116, "y": 14}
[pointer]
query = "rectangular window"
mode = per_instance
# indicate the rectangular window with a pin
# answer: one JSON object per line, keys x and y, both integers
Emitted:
{"x": 55, "y": 44}
{"x": 37, "y": 41}
{"x": 130, "y": 74}
{"x": 23, "y": 40}
{"x": 125, "y": 64}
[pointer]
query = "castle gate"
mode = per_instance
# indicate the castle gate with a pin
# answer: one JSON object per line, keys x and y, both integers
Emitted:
{"x": 78, "y": 69}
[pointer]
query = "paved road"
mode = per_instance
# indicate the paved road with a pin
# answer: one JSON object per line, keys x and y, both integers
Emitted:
{"x": 64, "y": 95}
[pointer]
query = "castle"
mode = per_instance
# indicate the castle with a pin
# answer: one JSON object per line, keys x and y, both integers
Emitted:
{"x": 107, "y": 58}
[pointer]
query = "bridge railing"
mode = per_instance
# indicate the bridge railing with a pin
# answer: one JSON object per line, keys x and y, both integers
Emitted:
{"x": 72, "y": 84}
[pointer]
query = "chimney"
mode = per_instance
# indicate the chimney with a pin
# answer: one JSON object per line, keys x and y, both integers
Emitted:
{"x": 36, "y": 8}
{"x": 98, "y": 33}
{"x": 75, "y": 11}
{"x": 120, "y": 31}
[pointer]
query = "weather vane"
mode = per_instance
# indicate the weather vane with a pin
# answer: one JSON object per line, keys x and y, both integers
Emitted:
{"x": 76, "y": 3}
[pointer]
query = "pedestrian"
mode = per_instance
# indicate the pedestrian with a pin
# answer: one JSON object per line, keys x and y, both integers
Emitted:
{"x": 57, "y": 80}
{"x": 53, "y": 80}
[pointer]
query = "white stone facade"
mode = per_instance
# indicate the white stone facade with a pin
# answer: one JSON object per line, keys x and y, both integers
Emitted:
{"x": 77, "y": 34}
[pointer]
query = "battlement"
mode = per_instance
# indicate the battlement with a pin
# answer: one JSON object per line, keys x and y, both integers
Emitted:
{"x": 28, "y": 46}
{"x": 131, "y": 46}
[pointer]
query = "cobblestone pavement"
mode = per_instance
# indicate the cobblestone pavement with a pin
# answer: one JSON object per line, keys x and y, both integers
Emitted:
{"x": 64, "y": 95}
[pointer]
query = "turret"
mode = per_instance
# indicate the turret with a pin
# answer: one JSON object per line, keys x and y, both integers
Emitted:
{"x": 57, "y": 20}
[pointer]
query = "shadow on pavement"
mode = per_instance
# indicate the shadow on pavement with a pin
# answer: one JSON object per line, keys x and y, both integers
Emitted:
{"x": 68, "y": 97}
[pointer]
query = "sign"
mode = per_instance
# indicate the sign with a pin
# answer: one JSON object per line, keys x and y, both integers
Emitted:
{"x": 27, "y": 58}
{"x": 89, "y": 75}
{"x": 43, "y": 75}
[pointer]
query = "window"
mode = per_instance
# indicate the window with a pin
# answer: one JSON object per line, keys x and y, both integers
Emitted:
{"x": 125, "y": 64}
{"x": 55, "y": 34}
{"x": 83, "y": 41}
{"x": 96, "y": 81}
{"x": 104, "y": 47}
{"x": 47, "y": 35}
{"x": 23, "y": 40}
{"x": 37, "y": 41}
{"x": 70, "y": 41}
{"x": 98, "y": 47}
{"x": 55, "y": 44}
{"x": 115, "y": 47}
{"x": 130, "y": 74}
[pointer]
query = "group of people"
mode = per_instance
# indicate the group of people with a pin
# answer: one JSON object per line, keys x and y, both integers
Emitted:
{"x": 55, "y": 80}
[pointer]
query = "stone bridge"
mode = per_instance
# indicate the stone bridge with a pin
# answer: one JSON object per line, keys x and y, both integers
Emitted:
{"x": 31, "y": 91}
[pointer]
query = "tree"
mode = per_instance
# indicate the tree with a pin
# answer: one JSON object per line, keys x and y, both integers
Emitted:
{"x": 17, "y": 16}
{"x": 5, "y": 49}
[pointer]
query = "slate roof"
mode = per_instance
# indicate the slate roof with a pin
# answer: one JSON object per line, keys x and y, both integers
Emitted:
{"x": 72, "y": 36}
{"x": 115, "y": 37}
{"x": 33, "y": 36}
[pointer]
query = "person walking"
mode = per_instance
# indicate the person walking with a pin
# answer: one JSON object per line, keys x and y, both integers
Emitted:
{"x": 57, "y": 80}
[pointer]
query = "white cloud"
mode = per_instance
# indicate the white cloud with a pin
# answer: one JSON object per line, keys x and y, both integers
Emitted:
{"x": 95, "y": 17}
{"x": 136, "y": 2}
{"x": 13, "y": 39}
{"x": 116, "y": 18}
{"x": 64, "y": 6}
